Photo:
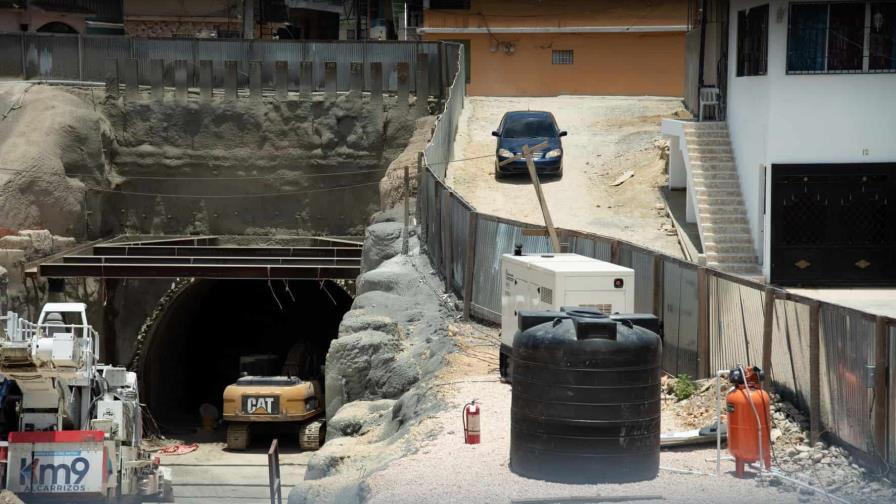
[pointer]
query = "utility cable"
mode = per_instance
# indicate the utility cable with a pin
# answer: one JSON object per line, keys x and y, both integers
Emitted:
{"x": 242, "y": 177}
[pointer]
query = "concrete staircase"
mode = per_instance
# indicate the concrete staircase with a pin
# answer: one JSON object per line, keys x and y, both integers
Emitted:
{"x": 721, "y": 216}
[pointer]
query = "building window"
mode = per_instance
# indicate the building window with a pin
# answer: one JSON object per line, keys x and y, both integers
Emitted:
{"x": 841, "y": 37}
{"x": 563, "y": 57}
{"x": 882, "y": 39}
{"x": 449, "y": 4}
{"x": 752, "y": 41}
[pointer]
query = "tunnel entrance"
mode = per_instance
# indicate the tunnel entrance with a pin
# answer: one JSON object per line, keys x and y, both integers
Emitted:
{"x": 193, "y": 352}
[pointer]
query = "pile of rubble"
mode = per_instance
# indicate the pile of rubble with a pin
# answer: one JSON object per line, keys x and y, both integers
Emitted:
{"x": 823, "y": 466}
{"x": 828, "y": 467}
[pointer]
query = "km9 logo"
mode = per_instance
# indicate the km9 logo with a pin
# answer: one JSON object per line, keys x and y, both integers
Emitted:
{"x": 51, "y": 474}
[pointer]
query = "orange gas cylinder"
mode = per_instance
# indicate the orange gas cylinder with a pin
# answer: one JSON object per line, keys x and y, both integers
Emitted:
{"x": 745, "y": 403}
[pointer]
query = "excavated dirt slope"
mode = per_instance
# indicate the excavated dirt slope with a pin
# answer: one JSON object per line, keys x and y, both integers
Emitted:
{"x": 79, "y": 164}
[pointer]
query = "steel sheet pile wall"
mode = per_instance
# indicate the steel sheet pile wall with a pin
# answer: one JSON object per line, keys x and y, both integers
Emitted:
{"x": 679, "y": 315}
{"x": 444, "y": 216}
{"x": 847, "y": 349}
{"x": 735, "y": 326}
{"x": 790, "y": 351}
{"x": 494, "y": 238}
{"x": 49, "y": 56}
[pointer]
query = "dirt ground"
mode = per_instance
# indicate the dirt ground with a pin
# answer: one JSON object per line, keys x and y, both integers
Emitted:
{"x": 446, "y": 470}
{"x": 213, "y": 474}
{"x": 608, "y": 136}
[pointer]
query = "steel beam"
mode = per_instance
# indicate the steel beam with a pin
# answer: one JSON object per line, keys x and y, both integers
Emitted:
{"x": 186, "y": 261}
{"x": 220, "y": 271}
{"x": 225, "y": 251}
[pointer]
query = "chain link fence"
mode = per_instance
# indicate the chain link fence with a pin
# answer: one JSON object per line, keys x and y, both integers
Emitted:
{"x": 832, "y": 362}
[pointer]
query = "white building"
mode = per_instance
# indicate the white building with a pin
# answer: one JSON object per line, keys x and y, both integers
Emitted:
{"x": 807, "y": 91}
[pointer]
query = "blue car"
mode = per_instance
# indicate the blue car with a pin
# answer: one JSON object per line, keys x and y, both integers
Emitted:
{"x": 531, "y": 128}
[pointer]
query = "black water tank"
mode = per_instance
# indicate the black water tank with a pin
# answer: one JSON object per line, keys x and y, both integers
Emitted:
{"x": 586, "y": 399}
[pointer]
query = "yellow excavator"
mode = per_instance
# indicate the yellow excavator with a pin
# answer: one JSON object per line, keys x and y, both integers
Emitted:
{"x": 282, "y": 403}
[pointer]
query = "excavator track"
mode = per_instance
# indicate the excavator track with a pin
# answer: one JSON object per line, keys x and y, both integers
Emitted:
{"x": 311, "y": 435}
{"x": 237, "y": 436}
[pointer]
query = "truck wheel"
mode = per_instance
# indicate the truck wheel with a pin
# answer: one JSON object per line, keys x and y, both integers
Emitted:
{"x": 238, "y": 436}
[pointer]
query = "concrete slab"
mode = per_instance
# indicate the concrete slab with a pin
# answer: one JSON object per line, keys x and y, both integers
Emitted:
{"x": 213, "y": 474}
{"x": 876, "y": 301}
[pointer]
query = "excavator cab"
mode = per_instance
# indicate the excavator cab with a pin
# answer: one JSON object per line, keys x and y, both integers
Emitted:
{"x": 291, "y": 401}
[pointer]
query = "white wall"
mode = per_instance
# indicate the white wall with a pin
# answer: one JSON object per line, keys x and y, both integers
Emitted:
{"x": 780, "y": 118}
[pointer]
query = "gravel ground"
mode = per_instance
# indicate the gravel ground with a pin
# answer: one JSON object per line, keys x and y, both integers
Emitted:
{"x": 446, "y": 470}
{"x": 608, "y": 136}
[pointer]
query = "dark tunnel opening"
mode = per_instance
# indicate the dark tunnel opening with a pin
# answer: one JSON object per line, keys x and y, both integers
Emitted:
{"x": 193, "y": 353}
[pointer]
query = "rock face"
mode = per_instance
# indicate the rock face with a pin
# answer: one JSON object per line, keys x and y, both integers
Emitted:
{"x": 392, "y": 184}
{"x": 381, "y": 242}
{"x": 378, "y": 370}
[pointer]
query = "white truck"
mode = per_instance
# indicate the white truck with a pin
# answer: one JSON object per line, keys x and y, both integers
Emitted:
{"x": 540, "y": 282}
{"x": 79, "y": 422}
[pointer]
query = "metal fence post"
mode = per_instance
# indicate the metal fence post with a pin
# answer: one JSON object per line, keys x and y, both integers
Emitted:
{"x": 703, "y": 347}
{"x": 658, "y": 286}
{"x": 407, "y": 203}
{"x": 274, "y": 484}
{"x": 24, "y": 64}
{"x": 768, "y": 323}
{"x": 470, "y": 263}
{"x": 80, "y": 57}
{"x": 814, "y": 373}
{"x": 881, "y": 393}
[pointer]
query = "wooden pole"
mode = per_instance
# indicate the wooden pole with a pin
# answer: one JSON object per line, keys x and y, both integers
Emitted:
{"x": 548, "y": 222}
{"x": 814, "y": 374}
{"x": 470, "y": 263}
{"x": 881, "y": 392}
{"x": 703, "y": 347}
{"x": 768, "y": 323}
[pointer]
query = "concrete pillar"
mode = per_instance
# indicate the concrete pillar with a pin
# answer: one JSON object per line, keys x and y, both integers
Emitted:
{"x": 403, "y": 86}
{"x": 231, "y": 77}
{"x": 132, "y": 87}
{"x": 180, "y": 80}
{"x": 112, "y": 78}
{"x": 281, "y": 80}
{"x": 421, "y": 106}
{"x": 678, "y": 176}
{"x": 157, "y": 79}
{"x": 306, "y": 79}
{"x": 356, "y": 78}
{"x": 330, "y": 78}
{"x": 255, "y": 80}
{"x": 205, "y": 80}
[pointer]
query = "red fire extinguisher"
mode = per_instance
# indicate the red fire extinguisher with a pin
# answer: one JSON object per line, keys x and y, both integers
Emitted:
{"x": 471, "y": 422}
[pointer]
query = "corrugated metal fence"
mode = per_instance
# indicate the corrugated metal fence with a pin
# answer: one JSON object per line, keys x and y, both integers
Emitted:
{"x": 49, "y": 56}
{"x": 830, "y": 361}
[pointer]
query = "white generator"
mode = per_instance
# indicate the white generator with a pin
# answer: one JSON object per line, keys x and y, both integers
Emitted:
{"x": 542, "y": 282}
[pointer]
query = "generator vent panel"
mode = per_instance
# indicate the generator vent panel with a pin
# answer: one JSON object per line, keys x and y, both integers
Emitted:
{"x": 547, "y": 295}
{"x": 606, "y": 309}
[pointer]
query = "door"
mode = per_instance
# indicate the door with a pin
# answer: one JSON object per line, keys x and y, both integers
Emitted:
{"x": 834, "y": 224}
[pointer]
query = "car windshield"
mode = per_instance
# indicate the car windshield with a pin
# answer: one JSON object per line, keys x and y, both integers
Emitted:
{"x": 528, "y": 127}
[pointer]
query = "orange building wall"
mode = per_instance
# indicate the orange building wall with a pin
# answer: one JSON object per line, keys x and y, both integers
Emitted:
{"x": 634, "y": 63}
{"x": 527, "y": 13}
{"x": 631, "y": 64}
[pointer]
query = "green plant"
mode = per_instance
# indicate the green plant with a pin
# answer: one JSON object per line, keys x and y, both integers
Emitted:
{"x": 684, "y": 387}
